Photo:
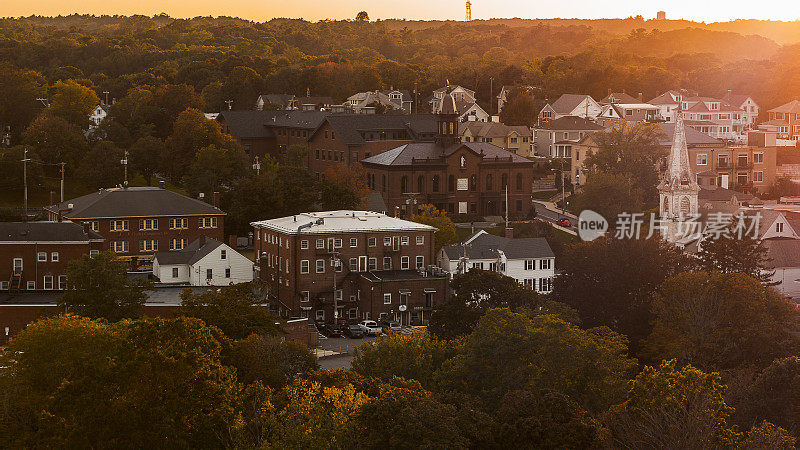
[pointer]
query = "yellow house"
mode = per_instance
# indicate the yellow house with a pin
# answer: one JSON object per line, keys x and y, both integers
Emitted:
{"x": 517, "y": 139}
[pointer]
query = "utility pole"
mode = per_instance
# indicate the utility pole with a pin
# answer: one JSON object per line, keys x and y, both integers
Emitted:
{"x": 106, "y": 94}
{"x": 25, "y": 183}
{"x": 491, "y": 95}
{"x": 229, "y": 103}
{"x": 124, "y": 163}
{"x": 416, "y": 99}
{"x": 257, "y": 166}
{"x": 506, "y": 205}
{"x": 335, "y": 261}
{"x": 62, "y": 164}
{"x": 563, "y": 195}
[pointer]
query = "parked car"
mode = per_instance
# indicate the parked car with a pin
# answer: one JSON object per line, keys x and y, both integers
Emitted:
{"x": 390, "y": 325}
{"x": 564, "y": 222}
{"x": 353, "y": 332}
{"x": 370, "y": 327}
{"x": 335, "y": 331}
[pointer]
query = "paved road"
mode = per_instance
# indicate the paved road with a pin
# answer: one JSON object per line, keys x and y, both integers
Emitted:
{"x": 552, "y": 216}
{"x": 343, "y": 345}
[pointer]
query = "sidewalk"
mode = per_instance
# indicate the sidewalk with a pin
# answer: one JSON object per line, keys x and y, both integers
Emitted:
{"x": 551, "y": 206}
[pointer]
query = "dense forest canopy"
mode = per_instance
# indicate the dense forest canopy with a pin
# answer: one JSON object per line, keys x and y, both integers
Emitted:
{"x": 228, "y": 58}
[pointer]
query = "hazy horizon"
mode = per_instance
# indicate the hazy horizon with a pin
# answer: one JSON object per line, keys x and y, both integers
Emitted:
{"x": 315, "y": 10}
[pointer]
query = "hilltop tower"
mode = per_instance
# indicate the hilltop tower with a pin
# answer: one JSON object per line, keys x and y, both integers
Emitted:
{"x": 469, "y": 10}
{"x": 678, "y": 189}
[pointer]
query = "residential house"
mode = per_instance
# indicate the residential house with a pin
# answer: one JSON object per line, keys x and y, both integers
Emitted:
{"x": 578, "y": 105}
{"x": 34, "y": 255}
{"x": 274, "y": 101}
{"x": 746, "y": 104}
{"x": 555, "y": 138}
{"x": 138, "y": 222}
{"x": 466, "y": 104}
{"x": 738, "y": 167}
{"x": 668, "y": 104}
{"x": 204, "y": 262}
{"x": 391, "y": 100}
{"x": 529, "y": 261}
{"x": 457, "y": 177}
{"x": 621, "y": 106}
{"x": 98, "y": 114}
{"x": 292, "y": 102}
{"x": 785, "y": 120}
{"x": 517, "y": 139}
{"x": 717, "y": 117}
{"x": 354, "y": 264}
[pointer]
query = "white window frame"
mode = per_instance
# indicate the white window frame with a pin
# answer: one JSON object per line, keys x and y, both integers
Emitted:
{"x": 353, "y": 242}
{"x": 305, "y": 266}
{"x": 49, "y": 278}
{"x": 176, "y": 272}
{"x": 387, "y": 298}
{"x": 420, "y": 240}
{"x": 320, "y": 243}
{"x": 372, "y": 263}
{"x": 54, "y": 257}
{"x": 385, "y": 260}
{"x": 30, "y": 285}
{"x": 372, "y": 242}
{"x": 387, "y": 241}
{"x": 62, "y": 282}
{"x": 420, "y": 262}
{"x": 305, "y": 296}
{"x": 405, "y": 262}
{"x": 404, "y": 240}
{"x": 320, "y": 268}
{"x": 702, "y": 159}
{"x": 41, "y": 257}
{"x": 304, "y": 244}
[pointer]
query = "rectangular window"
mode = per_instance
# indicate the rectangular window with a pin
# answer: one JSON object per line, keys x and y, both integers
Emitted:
{"x": 304, "y": 245}
{"x": 758, "y": 176}
{"x": 320, "y": 243}
{"x": 305, "y": 296}
{"x": 420, "y": 240}
{"x": 175, "y": 273}
{"x": 148, "y": 224}
{"x": 119, "y": 246}
{"x": 208, "y": 222}
{"x": 93, "y": 225}
{"x": 41, "y": 256}
{"x": 337, "y": 264}
{"x": 304, "y": 266}
{"x": 93, "y": 253}
{"x": 320, "y": 266}
{"x": 544, "y": 264}
{"x": 319, "y": 315}
{"x": 404, "y": 261}
{"x": 48, "y": 282}
{"x": 62, "y": 282}
{"x": 223, "y": 254}
{"x": 758, "y": 158}
{"x": 353, "y": 242}
{"x": 702, "y": 159}
{"x": 227, "y": 272}
{"x": 779, "y": 227}
{"x": 373, "y": 264}
{"x": 529, "y": 264}
{"x": 31, "y": 285}
{"x": 209, "y": 274}
{"x": 403, "y": 240}
{"x": 148, "y": 245}
{"x": 387, "y": 263}
{"x": 420, "y": 262}
{"x": 387, "y": 299}
{"x": 54, "y": 257}
{"x": 337, "y": 243}
{"x": 177, "y": 244}
{"x": 353, "y": 264}
{"x": 372, "y": 242}
{"x": 119, "y": 225}
{"x": 387, "y": 241}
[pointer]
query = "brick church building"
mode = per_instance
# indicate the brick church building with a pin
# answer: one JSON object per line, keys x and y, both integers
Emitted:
{"x": 456, "y": 177}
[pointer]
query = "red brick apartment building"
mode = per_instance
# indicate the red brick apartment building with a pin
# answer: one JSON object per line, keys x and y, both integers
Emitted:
{"x": 270, "y": 133}
{"x": 364, "y": 265}
{"x": 137, "y": 222}
{"x": 34, "y": 255}
{"x": 456, "y": 177}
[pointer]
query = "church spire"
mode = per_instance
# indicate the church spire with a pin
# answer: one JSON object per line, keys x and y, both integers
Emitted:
{"x": 679, "y": 170}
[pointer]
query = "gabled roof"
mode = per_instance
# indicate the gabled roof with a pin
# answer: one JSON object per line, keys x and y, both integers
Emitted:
{"x": 791, "y": 107}
{"x": 46, "y": 232}
{"x": 619, "y": 97}
{"x": 693, "y": 137}
{"x": 256, "y": 124}
{"x": 736, "y": 100}
{"x": 667, "y": 98}
{"x": 277, "y": 99}
{"x": 568, "y": 102}
{"x": 492, "y": 129}
{"x": 194, "y": 252}
{"x": 782, "y": 252}
{"x": 406, "y": 154}
{"x": 483, "y": 245}
{"x": 134, "y": 202}
{"x": 348, "y": 127}
{"x": 572, "y": 123}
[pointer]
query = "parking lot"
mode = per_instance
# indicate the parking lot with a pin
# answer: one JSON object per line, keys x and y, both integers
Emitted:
{"x": 343, "y": 346}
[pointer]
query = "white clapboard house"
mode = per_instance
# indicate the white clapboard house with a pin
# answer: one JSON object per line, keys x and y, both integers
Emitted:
{"x": 205, "y": 262}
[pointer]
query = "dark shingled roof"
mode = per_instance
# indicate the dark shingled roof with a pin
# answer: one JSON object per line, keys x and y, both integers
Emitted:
{"x": 191, "y": 254}
{"x": 45, "y": 231}
{"x": 348, "y": 127}
{"x": 403, "y": 155}
{"x": 567, "y": 102}
{"x": 693, "y": 137}
{"x": 568, "y": 123}
{"x": 486, "y": 246}
{"x": 782, "y": 252}
{"x": 257, "y": 124}
{"x": 134, "y": 202}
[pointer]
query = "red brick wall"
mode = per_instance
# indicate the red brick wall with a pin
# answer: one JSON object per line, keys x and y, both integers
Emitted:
{"x": 34, "y": 270}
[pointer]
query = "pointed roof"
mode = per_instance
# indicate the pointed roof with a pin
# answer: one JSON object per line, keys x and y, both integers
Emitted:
{"x": 448, "y": 104}
{"x": 679, "y": 171}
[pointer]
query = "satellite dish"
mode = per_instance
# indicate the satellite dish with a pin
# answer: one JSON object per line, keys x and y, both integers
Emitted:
{"x": 402, "y": 308}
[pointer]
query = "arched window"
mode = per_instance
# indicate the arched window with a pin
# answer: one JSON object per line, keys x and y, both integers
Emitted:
{"x": 473, "y": 183}
{"x": 451, "y": 183}
{"x": 404, "y": 184}
{"x": 436, "y": 183}
{"x": 504, "y": 181}
{"x": 421, "y": 184}
{"x": 488, "y": 182}
{"x": 686, "y": 205}
{"x": 519, "y": 181}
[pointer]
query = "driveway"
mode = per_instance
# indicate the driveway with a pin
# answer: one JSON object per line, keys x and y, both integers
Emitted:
{"x": 341, "y": 349}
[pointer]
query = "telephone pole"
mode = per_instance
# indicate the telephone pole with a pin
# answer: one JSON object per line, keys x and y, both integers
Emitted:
{"x": 124, "y": 163}
{"x": 106, "y": 94}
{"x": 229, "y": 103}
{"x": 62, "y": 164}
{"x": 25, "y": 183}
{"x": 257, "y": 166}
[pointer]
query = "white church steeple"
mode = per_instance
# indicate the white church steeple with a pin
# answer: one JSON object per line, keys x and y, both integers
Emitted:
{"x": 678, "y": 189}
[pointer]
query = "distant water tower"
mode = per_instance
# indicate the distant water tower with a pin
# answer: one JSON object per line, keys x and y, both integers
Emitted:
{"x": 469, "y": 10}
{"x": 661, "y": 15}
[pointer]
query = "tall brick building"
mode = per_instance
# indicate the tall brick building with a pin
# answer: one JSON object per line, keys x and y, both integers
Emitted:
{"x": 34, "y": 255}
{"x": 456, "y": 177}
{"x": 137, "y": 222}
{"x": 358, "y": 263}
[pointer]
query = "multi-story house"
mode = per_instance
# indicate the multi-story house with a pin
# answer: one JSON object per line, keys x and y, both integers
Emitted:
{"x": 785, "y": 120}
{"x": 717, "y": 117}
{"x": 349, "y": 138}
{"x": 466, "y": 104}
{"x": 456, "y": 177}
{"x": 137, "y": 222}
{"x": 529, "y": 261}
{"x": 621, "y": 106}
{"x": 204, "y": 262}
{"x": 34, "y": 255}
{"x": 741, "y": 168}
{"x": 349, "y": 264}
{"x": 578, "y": 105}
{"x": 517, "y": 139}
{"x": 555, "y": 138}
{"x": 746, "y": 104}
{"x": 668, "y": 104}
{"x": 391, "y": 100}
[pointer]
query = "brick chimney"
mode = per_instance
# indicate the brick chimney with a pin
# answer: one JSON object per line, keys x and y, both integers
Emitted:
{"x": 509, "y": 233}
{"x": 232, "y": 240}
{"x": 216, "y": 199}
{"x": 641, "y": 98}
